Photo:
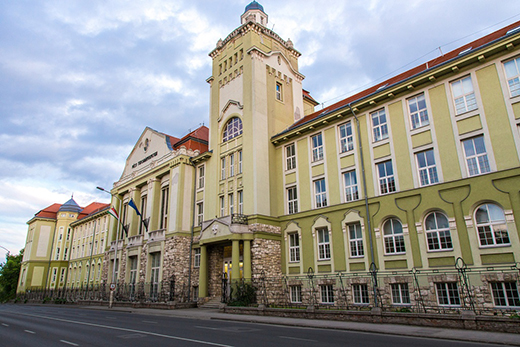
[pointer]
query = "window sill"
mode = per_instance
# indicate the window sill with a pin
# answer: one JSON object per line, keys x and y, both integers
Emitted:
{"x": 381, "y": 142}
{"x": 433, "y": 251}
{"x": 495, "y": 246}
{"x": 467, "y": 114}
{"x": 420, "y": 129}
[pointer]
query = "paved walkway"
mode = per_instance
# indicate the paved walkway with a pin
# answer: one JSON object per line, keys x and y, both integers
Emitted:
{"x": 393, "y": 329}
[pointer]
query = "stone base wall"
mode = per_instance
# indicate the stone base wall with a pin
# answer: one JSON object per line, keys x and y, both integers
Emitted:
{"x": 215, "y": 270}
{"x": 266, "y": 258}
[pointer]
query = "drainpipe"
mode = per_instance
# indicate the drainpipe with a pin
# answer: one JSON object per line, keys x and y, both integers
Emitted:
{"x": 192, "y": 226}
{"x": 367, "y": 209}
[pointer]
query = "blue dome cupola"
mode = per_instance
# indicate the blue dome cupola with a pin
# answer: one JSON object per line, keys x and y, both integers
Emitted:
{"x": 70, "y": 206}
{"x": 254, "y": 12}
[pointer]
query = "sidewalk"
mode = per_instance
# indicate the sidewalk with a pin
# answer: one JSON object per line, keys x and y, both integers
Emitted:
{"x": 392, "y": 329}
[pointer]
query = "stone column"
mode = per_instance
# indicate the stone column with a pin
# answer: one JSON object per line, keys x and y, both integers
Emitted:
{"x": 235, "y": 260}
{"x": 247, "y": 259}
{"x": 203, "y": 272}
{"x": 155, "y": 203}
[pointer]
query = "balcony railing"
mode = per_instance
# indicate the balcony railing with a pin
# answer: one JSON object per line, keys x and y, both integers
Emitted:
{"x": 113, "y": 245}
{"x": 156, "y": 235}
{"x": 135, "y": 241}
{"x": 237, "y": 218}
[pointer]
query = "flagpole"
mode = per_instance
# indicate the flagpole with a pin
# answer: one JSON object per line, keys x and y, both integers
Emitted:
{"x": 116, "y": 246}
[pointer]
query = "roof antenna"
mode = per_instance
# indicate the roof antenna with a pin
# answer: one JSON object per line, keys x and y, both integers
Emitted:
{"x": 440, "y": 50}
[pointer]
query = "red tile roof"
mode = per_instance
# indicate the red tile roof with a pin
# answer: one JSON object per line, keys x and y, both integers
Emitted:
{"x": 479, "y": 43}
{"x": 49, "y": 212}
{"x": 195, "y": 140}
{"x": 92, "y": 208}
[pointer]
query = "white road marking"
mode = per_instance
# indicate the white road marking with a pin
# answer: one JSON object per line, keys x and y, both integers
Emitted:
{"x": 5, "y": 325}
{"x": 296, "y": 338}
{"x": 30, "y": 332}
{"x": 69, "y": 343}
{"x": 149, "y": 321}
{"x": 126, "y": 329}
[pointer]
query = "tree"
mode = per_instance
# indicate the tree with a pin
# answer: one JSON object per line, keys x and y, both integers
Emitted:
{"x": 9, "y": 273}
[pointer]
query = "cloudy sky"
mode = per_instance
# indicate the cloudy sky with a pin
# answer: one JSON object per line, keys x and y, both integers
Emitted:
{"x": 80, "y": 80}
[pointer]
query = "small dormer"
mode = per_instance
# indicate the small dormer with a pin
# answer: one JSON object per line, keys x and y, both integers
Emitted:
{"x": 254, "y": 13}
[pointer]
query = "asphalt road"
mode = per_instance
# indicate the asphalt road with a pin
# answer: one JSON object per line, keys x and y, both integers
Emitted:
{"x": 41, "y": 326}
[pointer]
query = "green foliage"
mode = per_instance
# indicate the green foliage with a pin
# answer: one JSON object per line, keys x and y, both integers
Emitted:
{"x": 9, "y": 273}
{"x": 243, "y": 294}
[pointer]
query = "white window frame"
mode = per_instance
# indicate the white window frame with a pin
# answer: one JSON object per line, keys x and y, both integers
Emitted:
{"x": 492, "y": 231}
{"x": 200, "y": 213}
{"x": 426, "y": 167}
{"x": 294, "y": 247}
{"x": 351, "y": 186}
{"x": 223, "y": 168}
{"x": 239, "y": 162}
{"x": 346, "y": 137}
{"x": 317, "y": 147}
{"x": 296, "y": 293}
{"x": 279, "y": 91}
{"x": 201, "y": 176}
{"x": 393, "y": 237}
{"x": 418, "y": 111}
{"x": 233, "y": 129}
{"x": 290, "y": 156}
{"x": 222, "y": 204}
{"x": 360, "y": 294}
{"x": 327, "y": 293}
{"x": 512, "y": 72}
{"x": 505, "y": 294}
{"x": 379, "y": 125}
{"x": 320, "y": 193}
{"x": 323, "y": 239}
{"x": 355, "y": 238}
{"x": 386, "y": 179}
{"x": 240, "y": 198}
{"x": 464, "y": 100}
{"x": 165, "y": 195}
{"x": 438, "y": 236}
{"x": 292, "y": 199}
{"x": 448, "y": 294}
{"x": 400, "y": 294}
{"x": 196, "y": 258}
{"x": 231, "y": 203}
{"x": 232, "y": 165}
{"x": 476, "y": 163}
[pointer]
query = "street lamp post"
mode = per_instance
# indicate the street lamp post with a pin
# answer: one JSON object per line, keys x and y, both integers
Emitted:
{"x": 116, "y": 246}
{"x": 8, "y": 251}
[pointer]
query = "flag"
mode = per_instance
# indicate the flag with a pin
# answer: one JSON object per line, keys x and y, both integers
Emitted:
{"x": 113, "y": 213}
{"x": 131, "y": 203}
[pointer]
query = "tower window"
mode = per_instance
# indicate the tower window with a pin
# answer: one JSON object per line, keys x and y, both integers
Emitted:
{"x": 279, "y": 91}
{"x": 233, "y": 129}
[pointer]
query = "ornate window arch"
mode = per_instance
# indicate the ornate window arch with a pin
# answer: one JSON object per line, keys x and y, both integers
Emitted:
{"x": 491, "y": 225}
{"x": 438, "y": 233}
{"x": 233, "y": 129}
{"x": 393, "y": 236}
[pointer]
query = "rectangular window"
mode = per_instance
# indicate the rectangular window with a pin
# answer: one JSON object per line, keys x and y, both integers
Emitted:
{"x": 323, "y": 244}
{"x": 476, "y": 156}
{"x": 68, "y": 234}
{"x": 379, "y": 125}
{"x": 294, "y": 248}
{"x": 513, "y": 76}
{"x": 239, "y": 162}
{"x": 360, "y": 294}
{"x": 418, "y": 111}
{"x": 133, "y": 270}
{"x": 222, "y": 206}
{"x": 327, "y": 293}
{"x": 292, "y": 200}
{"x": 201, "y": 176}
{"x": 400, "y": 294}
{"x": 223, "y": 168}
{"x": 58, "y": 253}
{"x": 427, "y": 168}
{"x": 232, "y": 165}
{"x": 351, "y": 188}
{"x": 279, "y": 91}
{"x": 317, "y": 147}
{"x": 320, "y": 193}
{"x": 346, "y": 137}
{"x": 62, "y": 275}
{"x": 231, "y": 204}
{"x": 296, "y": 294}
{"x": 164, "y": 208}
{"x": 505, "y": 294}
{"x": 386, "y": 177}
{"x": 196, "y": 257}
{"x": 200, "y": 213}
{"x": 154, "y": 274}
{"x": 463, "y": 95}
{"x": 54, "y": 274}
{"x": 356, "y": 240}
{"x": 290, "y": 156}
{"x": 65, "y": 253}
{"x": 448, "y": 294}
{"x": 240, "y": 202}
{"x": 143, "y": 213}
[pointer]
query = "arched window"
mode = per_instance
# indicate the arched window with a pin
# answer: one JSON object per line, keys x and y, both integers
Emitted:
{"x": 491, "y": 225}
{"x": 233, "y": 129}
{"x": 393, "y": 236}
{"x": 438, "y": 232}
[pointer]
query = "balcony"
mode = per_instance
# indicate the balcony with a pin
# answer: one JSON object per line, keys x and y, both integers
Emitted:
{"x": 156, "y": 235}
{"x": 119, "y": 245}
{"x": 135, "y": 241}
{"x": 238, "y": 219}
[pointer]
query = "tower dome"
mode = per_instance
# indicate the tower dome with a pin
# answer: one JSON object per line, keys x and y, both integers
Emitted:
{"x": 70, "y": 206}
{"x": 254, "y": 12}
